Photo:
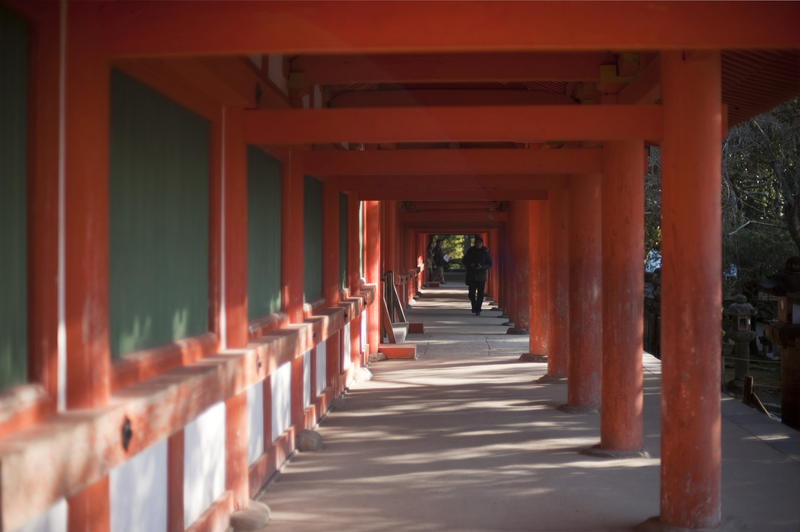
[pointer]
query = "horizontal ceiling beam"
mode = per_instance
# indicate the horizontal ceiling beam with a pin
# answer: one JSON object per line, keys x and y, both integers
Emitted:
{"x": 448, "y": 97}
{"x": 454, "y": 124}
{"x": 146, "y": 28}
{"x": 439, "y": 68}
{"x": 448, "y": 188}
{"x": 453, "y": 162}
{"x": 451, "y": 217}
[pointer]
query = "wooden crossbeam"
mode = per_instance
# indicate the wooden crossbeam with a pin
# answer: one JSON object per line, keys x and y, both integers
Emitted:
{"x": 468, "y": 67}
{"x": 142, "y": 28}
{"x": 453, "y": 162}
{"x": 454, "y": 124}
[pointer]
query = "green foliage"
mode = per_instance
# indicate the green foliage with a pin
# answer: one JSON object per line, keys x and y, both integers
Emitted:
{"x": 760, "y": 214}
{"x": 760, "y": 197}
{"x": 453, "y": 245}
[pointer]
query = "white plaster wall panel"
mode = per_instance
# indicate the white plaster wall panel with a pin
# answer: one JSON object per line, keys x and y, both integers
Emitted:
{"x": 363, "y": 331}
{"x": 306, "y": 379}
{"x": 255, "y": 419}
{"x": 138, "y": 492}
{"x": 53, "y": 520}
{"x": 345, "y": 347}
{"x": 322, "y": 370}
{"x": 203, "y": 462}
{"x": 281, "y": 383}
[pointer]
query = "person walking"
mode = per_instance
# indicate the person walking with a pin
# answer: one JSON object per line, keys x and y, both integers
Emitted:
{"x": 477, "y": 261}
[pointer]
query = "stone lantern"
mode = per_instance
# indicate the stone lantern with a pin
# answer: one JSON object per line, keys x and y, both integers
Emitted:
{"x": 740, "y": 313}
{"x": 786, "y": 334}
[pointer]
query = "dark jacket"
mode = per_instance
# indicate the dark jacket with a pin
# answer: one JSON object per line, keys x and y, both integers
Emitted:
{"x": 477, "y": 261}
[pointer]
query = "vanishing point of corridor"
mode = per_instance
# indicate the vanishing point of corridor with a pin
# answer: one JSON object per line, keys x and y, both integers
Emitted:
{"x": 466, "y": 439}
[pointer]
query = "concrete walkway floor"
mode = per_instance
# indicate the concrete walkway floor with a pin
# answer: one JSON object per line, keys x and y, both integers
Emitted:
{"x": 465, "y": 439}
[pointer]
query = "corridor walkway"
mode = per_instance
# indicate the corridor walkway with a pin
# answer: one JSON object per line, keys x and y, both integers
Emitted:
{"x": 465, "y": 439}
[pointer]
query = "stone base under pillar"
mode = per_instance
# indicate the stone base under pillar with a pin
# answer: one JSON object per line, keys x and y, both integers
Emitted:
{"x": 547, "y": 379}
{"x": 530, "y": 357}
{"x": 517, "y": 330}
{"x": 654, "y": 524}
{"x": 579, "y": 409}
{"x": 255, "y": 516}
{"x": 598, "y": 451}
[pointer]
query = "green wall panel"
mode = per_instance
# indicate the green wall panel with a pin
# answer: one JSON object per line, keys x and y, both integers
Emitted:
{"x": 342, "y": 240}
{"x": 263, "y": 233}
{"x": 312, "y": 239}
{"x": 13, "y": 173}
{"x": 158, "y": 219}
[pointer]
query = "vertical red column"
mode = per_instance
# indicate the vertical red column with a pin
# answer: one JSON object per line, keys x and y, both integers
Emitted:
{"x": 585, "y": 297}
{"x": 520, "y": 263}
{"x": 623, "y": 295}
{"x": 292, "y": 237}
{"x": 235, "y": 228}
{"x": 558, "y": 283}
{"x": 353, "y": 249}
{"x": 494, "y": 271}
{"x": 373, "y": 245}
{"x": 330, "y": 244}
{"x": 88, "y": 371}
{"x": 353, "y": 275}
{"x": 234, "y": 216}
{"x": 691, "y": 289}
{"x": 539, "y": 309}
{"x": 89, "y": 510}
{"x": 86, "y": 246}
{"x": 175, "y": 474}
{"x": 237, "y": 477}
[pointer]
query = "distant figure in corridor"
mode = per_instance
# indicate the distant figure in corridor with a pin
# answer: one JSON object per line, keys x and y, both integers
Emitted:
{"x": 477, "y": 261}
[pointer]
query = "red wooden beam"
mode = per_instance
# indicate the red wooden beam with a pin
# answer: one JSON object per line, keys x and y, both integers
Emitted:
{"x": 139, "y": 28}
{"x": 470, "y": 67}
{"x": 453, "y": 162}
{"x": 451, "y": 97}
{"x": 466, "y": 124}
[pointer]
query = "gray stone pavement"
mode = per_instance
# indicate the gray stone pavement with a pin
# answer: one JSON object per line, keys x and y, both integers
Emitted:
{"x": 465, "y": 439}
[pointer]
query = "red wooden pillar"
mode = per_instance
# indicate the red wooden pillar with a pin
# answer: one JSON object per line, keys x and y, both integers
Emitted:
{"x": 520, "y": 263}
{"x": 88, "y": 371}
{"x": 234, "y": 261}
{"x": 330, "y": 244}
{"x": 89, "y": 510}
{"x": 235, "y": 230}
{"x": 585, "y": 286}
{"x": 494, "y": 271}
{"x": 691, "y": 290}
{"x": 504, "y": 270}
{"x": 175, "y": 475}
{"x": 558, "y": 282}
{"x": 86, "y": 253}
{"x": 353, "y": 276}
{"x": 292, "y": 237}
{"x": 539, "y": 310}
{"x": 623, "y": 295}
{"x": 237, "y": 474}
{"x": 297, "y": 407}
{"x": 353, "y": 249}
{"x": 373, "y": 271}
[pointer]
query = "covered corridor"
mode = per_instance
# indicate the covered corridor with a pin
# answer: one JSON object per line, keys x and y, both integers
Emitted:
{"x": 466, "y": 439}
{"x": 202, "y": 203}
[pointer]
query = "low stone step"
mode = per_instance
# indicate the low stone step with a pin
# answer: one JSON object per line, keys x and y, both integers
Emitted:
{"x": 402, "y": 351}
